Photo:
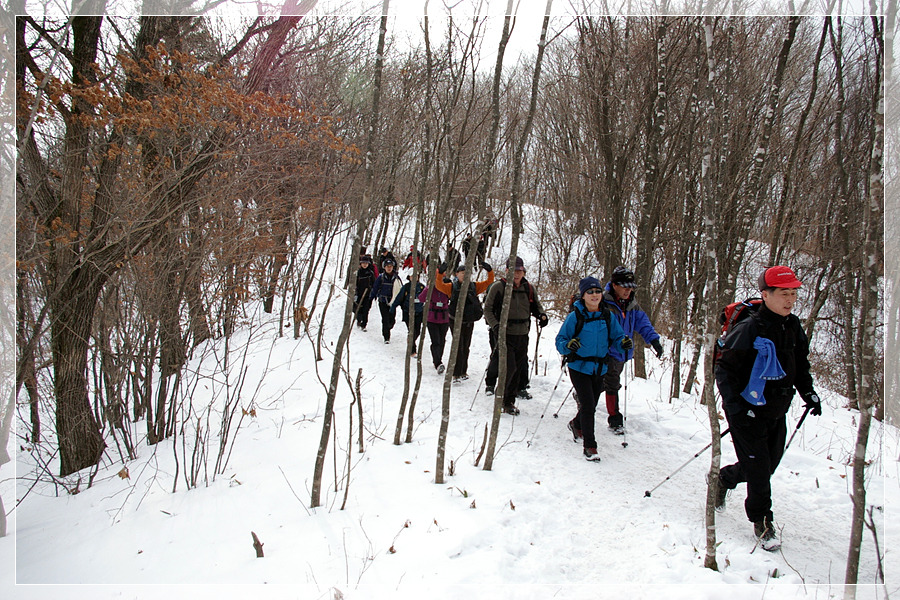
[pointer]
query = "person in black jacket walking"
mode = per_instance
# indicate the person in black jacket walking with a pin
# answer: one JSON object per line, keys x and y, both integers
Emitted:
{"x": 402, "y": 300}
{"x": 386, "y": 287}
{"x": 362, "y": 300}
{"x": 757, "y": 392}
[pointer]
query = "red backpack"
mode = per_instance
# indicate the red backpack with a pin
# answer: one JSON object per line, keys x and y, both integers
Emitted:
{"x": 731, "y": 314}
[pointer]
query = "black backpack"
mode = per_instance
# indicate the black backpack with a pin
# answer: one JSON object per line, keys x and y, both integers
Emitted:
{"x": 579, "y": 325}
{"x": 473, "y": 310}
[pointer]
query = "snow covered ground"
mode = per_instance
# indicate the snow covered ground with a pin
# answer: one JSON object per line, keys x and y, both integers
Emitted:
{"x": 543, "y": 524}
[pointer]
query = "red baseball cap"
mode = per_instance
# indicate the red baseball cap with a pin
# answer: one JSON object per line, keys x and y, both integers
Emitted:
{"x": 778, "y": 277}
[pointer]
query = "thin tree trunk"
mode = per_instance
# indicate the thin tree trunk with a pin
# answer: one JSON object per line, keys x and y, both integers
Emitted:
{"x": 328, "y": 416}
{"x": 516, "y": 218}
{"x": 869, "y": 321}
{"x": 420, "y": 218}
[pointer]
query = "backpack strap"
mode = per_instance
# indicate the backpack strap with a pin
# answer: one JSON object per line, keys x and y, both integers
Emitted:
{"x": 579, "y": 325}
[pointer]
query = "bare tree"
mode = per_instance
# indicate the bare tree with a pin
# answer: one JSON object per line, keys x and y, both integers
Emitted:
{"x": 363, "y": 213}
{"x": 872, "y": 257}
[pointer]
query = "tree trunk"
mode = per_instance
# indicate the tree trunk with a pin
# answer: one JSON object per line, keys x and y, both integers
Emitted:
{"x": 869, "y": 319}
{"x": 80, "y": 442}
{"x": 516, "y": 218}
{"x": 353, "y": 260}
{"x": 657, "y": 107}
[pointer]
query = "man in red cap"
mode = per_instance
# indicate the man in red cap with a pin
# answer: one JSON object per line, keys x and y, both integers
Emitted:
{"x": 763, "y": 359}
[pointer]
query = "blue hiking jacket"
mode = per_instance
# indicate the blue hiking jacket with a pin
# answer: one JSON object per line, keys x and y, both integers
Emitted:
{"x": 594, "y": 337}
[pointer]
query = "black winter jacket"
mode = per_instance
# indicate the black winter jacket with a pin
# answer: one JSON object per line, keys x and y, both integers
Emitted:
{"x": 738, "y": 355}
{"x": 365, "y": 279}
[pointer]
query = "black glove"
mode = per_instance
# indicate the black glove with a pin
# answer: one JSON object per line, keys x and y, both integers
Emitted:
{"x": 447, "y": 280}
{"x": 487, "y": 267}
{"x": 657, "y": 347}
{"x": 814, "y": 404}
{"x": 627, "y": 343}
{"x": 543, "y": 320}
{"x": 574, "y": 344}
{"x": 442, "y": 268}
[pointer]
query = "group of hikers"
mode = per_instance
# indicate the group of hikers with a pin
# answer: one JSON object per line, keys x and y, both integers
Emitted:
{"x": 760, "y": 361}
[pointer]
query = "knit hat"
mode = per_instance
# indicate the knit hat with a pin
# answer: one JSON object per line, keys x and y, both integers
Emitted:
{"x": 460, "y": 267}
{"x": 365, "y": 258}
{"x": 588, "y": 283}
{"x": 778, "y": 277}
{"x": 520, "y": 266}
{"x": 389, "y": 262}
{"x": 624, "y": 277}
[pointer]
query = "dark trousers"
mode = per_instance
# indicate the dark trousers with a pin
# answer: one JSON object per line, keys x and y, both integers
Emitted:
{"x": 387, "y": 320}
{"x": 490, "y": 379}
{"x": 438, "y": 334}
{"x": 759, "y": 445}
{"x": 361, "y": 308}
{"x": 611, "y": 385}
{"x": 417, "y": 325}
{"x": 588, "y": 388}
{"x": 462, "y": 354}
{"x": 516, "y": 367}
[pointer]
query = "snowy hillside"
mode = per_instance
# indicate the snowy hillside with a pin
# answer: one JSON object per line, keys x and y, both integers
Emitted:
{"x": 544, "y": 523}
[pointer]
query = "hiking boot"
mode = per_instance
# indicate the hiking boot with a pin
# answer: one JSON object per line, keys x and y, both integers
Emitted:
{"x": 440, "y": 369}
{"x": 617, "y": 429}
{"x": 721, "y": 494}
{"x": 591, "y": 454}
{"x": 489, "y": 390}
{"x": 510, "y": 409}
{"x": 576, "y": 433}
{"x": 765, "y": 534}
{"x": 523, "y": 394}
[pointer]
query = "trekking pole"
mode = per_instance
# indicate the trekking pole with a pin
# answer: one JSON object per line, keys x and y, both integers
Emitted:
{"x": 566, "y": 397}
{"x": 797, "y": 428}
{"x": 691, "y": 459}
{"x": 536, "y": 344}
{"x": 561, "y": 373}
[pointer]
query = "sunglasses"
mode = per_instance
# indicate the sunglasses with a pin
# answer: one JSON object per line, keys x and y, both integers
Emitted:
{"x": 593, "y": 291}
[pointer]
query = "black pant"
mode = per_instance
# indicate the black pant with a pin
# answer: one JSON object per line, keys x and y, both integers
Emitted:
{"x": 759, "y": 445}
{"x": 516, "y": 367}
{"x": 387, "y": 320}
{"x": 417, "y": 324}
{"x": 490, "y": 379}
{"x": 438, "y": 334}
{"x": 361, "y": 308}
{"x": 588, "y": 388}
{"x": 462, "y": 354}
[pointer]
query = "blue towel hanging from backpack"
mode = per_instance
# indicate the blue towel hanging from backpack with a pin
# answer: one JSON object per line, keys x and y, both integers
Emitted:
{"x": 765, "y": 368}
